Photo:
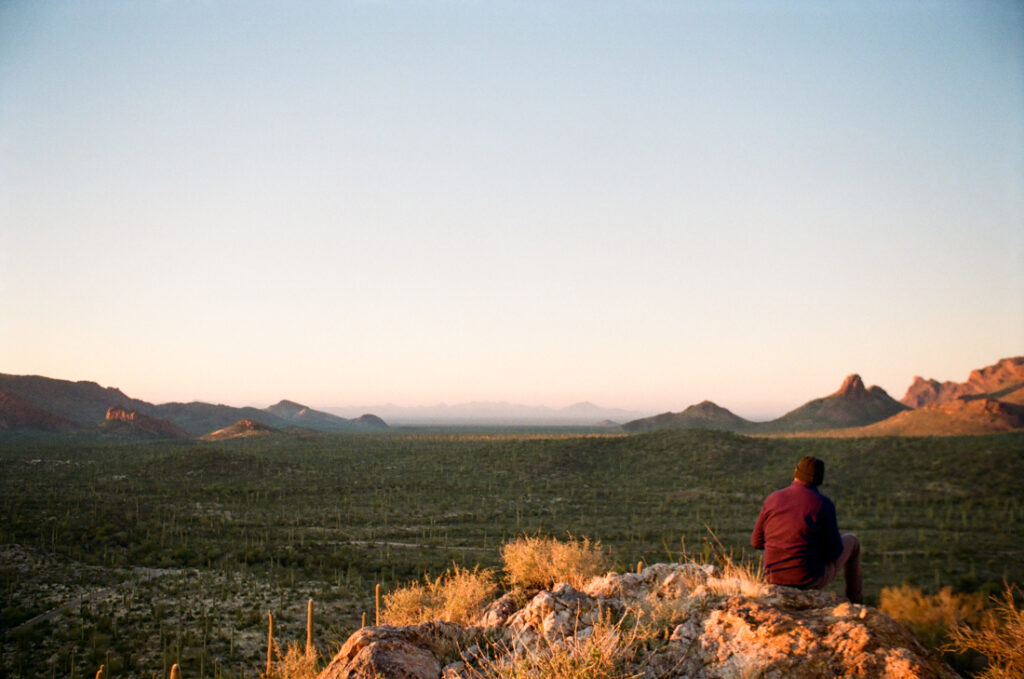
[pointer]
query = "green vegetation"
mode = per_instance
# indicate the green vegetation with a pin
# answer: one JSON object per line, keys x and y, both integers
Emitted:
{"x": 178, "y": 549}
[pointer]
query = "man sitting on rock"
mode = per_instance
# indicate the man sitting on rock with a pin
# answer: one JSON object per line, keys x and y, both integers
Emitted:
{"x": 798, "y": 532}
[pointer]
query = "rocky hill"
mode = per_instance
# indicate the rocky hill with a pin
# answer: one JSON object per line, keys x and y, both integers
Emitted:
{"x": 686, "y": 620}
{"x": 852, "y": 405}
{"x": 241, "y": 429}
{"x": 133, "y": 423}
{"x": 704, "y": 415}
{"x": 1003, "y": 381}
{"x": 370, "y": 421}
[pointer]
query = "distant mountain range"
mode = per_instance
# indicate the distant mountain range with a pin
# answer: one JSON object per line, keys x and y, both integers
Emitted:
{"x": 495, "y": 413}
{"x": 35, "y": 403}
{"x": 991, "y": 400}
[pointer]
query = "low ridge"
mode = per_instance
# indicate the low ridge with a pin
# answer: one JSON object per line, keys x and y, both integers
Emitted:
{"x": 703, "y": 415}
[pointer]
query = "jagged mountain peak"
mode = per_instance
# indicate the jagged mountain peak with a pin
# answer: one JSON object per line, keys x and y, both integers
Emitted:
{"x": 853, "y": 387}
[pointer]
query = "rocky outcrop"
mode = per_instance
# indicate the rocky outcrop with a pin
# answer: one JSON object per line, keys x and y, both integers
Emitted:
{"x": 961, "y": 417}
{"x": 669, "y": 620}
{"x": 411, "y": 652}
{"x": 120, "y": 420}
{"x": 1001, "y": 380}
{"x": 924, "y": 392}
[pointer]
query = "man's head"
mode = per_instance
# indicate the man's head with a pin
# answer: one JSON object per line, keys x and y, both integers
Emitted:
{"x": 810, "y": 470}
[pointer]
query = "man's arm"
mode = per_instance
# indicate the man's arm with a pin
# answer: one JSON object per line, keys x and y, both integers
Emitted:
{"x": 757, "y": 537}
{"x": 832, "y": 540}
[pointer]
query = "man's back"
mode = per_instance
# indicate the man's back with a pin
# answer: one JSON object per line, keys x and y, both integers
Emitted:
{"x": 797, "y": 528}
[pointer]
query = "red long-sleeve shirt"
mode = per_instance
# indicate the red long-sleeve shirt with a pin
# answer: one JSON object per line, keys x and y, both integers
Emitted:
{"x": 798, "y": 532}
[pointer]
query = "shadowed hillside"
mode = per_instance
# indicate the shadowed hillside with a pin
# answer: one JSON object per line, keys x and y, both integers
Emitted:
{"x": 19, "y": 415}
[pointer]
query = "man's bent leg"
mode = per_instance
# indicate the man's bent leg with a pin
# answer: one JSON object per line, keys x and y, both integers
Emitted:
{"x": 850, "y": 561}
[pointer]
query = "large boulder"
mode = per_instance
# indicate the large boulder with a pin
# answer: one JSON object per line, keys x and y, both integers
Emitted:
{"x": 669, "y": 620}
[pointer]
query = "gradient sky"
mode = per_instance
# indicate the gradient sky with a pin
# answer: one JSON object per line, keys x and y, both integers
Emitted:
{"x": 641, "y": 204}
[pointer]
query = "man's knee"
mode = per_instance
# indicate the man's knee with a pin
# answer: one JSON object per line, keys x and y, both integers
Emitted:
{"x": 851, "y": 550}
{"x": 851, "y": 545}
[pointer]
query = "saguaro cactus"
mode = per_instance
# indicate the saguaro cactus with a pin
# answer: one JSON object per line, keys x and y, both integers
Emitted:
{"x": 175, "y": 672}
{"x": 270, "y": 641}
{"x": 309, "y": 627}
{"x": 376, "y": 602}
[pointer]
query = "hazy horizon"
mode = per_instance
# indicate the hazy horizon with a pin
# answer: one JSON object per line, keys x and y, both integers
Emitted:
{"x": 642, "y": 206}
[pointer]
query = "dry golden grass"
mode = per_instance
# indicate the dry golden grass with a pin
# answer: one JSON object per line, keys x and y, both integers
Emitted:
{"x": 536, "y": 562}
{"x": 930, "y": 617}
{"x": 459, "y": 596}
{"x": 999, "y": 637}
{"x": 604, "y": 654}
{"x": 296, "y": 663}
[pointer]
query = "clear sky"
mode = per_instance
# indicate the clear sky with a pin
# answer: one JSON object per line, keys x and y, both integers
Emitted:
{"x": 640, "y": 204}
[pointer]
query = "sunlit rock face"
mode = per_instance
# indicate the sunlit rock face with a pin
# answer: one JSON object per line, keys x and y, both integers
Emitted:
{"x": 119, "y": 418}
{"x": 668, "y": 620}
{"x": 1003, "y": 380}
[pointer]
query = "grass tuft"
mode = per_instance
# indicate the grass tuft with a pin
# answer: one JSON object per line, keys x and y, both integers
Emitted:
{"x": 603, "y": 654}
{"x": 459, "y": 595}
{"x": 538, "y": 563}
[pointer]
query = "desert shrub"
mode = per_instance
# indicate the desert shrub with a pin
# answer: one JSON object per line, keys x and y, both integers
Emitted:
{"x": 295, "y": 663}
{"x": 458, "y": 596}
{"x": 536, "y": 562}
{"x": 930, "y": 617}
{"x": 999, "y": 637}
